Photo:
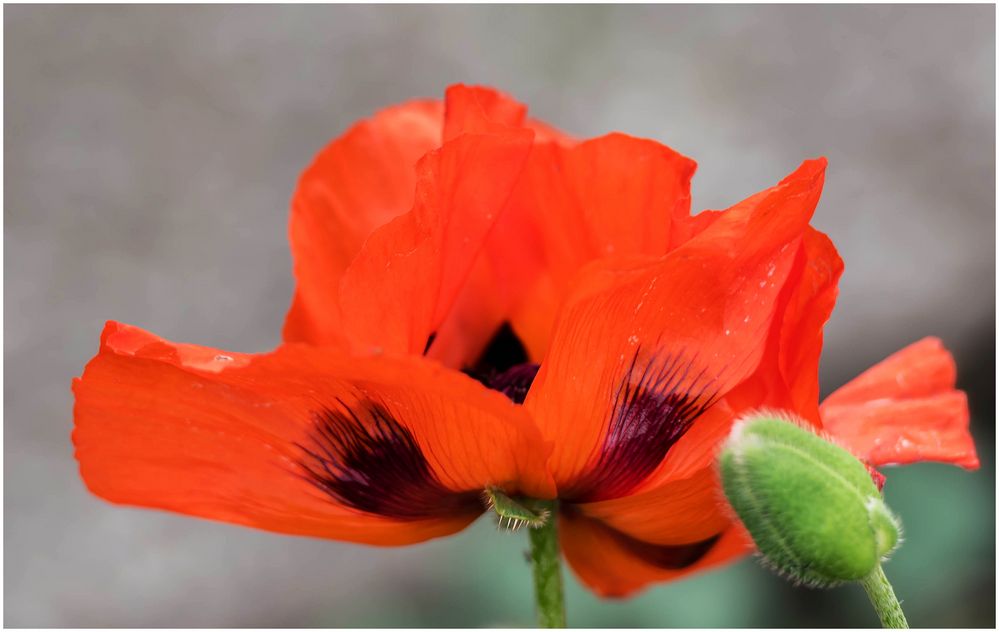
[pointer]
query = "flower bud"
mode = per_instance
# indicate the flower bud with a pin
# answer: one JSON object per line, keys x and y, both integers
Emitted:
{"x": 811, "y": 507}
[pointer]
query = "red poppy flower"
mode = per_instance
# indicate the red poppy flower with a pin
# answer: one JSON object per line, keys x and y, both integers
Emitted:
{"x": 508, "y": 245}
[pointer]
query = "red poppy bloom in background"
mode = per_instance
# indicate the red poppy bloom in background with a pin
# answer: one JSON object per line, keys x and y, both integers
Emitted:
{"x": 568, "y": 276}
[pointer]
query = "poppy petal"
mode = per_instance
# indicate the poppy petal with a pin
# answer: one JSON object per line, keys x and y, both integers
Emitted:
{"x": 615, "y": 565}
{"x": 689, "y": 227}
{"x": 474, "y": 318}
{"x": 696, "y": 449}
{"x": 808, "y": 309}
{"x": 401, "y": 286}
{"x": 644, "y": 345}
{"x": 475, "y": 109}
{"x": 623, "y": 195}
{"x": 921, "y": 369}
{"x": 904, "y": 409}
{"x": 676, "y": 512}
{"x": 501, "y": 268}
{"x": 512, "y": 261}
{"x": 358, "y": 182}
{"x": 610, "y": 195}
{"x": 788, "y": 375}
{"x": 479, "y": 110}
{"x": 303, "y": 440}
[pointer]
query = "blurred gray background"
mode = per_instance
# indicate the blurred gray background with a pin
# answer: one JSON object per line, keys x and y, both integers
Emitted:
{"x": 150, "y": 153}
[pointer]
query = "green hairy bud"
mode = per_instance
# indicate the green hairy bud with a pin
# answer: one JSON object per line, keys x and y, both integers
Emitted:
{"x": 811, "y": 507}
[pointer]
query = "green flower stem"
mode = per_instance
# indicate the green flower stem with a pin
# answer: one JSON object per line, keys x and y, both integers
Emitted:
{"x": 883, "y": 599}
{"x": 547, "y": 570}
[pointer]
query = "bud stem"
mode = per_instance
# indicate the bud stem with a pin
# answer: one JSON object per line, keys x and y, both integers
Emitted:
{"x": 545, "y": 560}
{"x": 883, "y": 599}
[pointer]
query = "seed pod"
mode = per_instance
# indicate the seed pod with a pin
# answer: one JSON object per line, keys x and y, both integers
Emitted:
{"x": 812, "y": 509}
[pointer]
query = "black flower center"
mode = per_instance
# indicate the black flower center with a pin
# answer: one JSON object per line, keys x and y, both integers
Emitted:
{"x": 503, "y": 366}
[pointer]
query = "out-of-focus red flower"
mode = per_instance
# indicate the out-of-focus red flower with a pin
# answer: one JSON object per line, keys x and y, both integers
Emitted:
{"x": 465, "y": 235}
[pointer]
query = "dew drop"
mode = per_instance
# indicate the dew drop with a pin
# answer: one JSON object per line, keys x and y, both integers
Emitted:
{"x": 223, "y": 358}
